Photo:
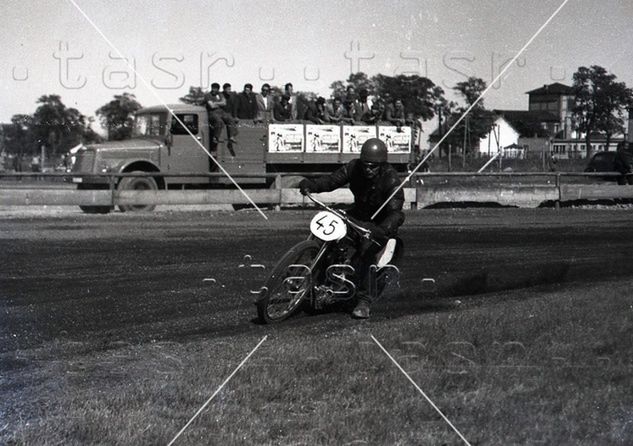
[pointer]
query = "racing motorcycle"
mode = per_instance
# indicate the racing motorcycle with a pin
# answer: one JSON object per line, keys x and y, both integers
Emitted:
{"x": 317, "y": 273}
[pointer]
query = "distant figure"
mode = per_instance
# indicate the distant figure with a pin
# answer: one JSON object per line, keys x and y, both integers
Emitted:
{"x": 35, "y": 164}
{"x": 17, "y": 163}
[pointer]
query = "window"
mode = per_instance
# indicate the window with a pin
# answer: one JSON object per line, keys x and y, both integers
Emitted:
{"x": 149, "y": 125}
{"x": 189, "y": 119}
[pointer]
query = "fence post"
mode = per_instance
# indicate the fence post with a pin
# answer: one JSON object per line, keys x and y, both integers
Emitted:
{"x": 413, "y": 183}
{"x": 557, "y": 203}
{"x": 111, "y": 186}
{"x": 278, "y": 187}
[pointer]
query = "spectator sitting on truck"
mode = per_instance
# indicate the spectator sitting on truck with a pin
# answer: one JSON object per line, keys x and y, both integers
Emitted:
{"x": 217, "y": 106}
{"x": 214, "y": 102}
{"x": 229, "y": 112}
{"x": 283, "y": 109}
{"x": 395, "y": 113}
{"x": 374, "y": 116}
{"x": 350, "y": 112}
{"x": 334, "y": 112}
{"x": 289, "y": 91}
{"x": 229, "y": 96}
{"x": 316, "y": 111}
{"x": 246, "y": 104}
{"x": 265, "y": 105}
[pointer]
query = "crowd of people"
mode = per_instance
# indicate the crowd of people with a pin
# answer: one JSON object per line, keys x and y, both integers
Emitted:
{"x": 226, "y": 108}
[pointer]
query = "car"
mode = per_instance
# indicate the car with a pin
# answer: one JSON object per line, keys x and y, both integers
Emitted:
{"x": 602, "y": 162}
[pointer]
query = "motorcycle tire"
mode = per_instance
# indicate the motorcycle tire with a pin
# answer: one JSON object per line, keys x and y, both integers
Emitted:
{"x": 279, "y": 301}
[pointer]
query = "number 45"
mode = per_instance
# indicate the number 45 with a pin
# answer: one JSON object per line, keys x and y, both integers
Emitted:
{"x": 329, "y": 229}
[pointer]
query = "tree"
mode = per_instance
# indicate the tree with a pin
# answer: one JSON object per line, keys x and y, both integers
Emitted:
{"x": 18, "y": 137}
{"x": 471, "y": 89}
{"x": 418, "y": 94}
{"x": 195, "y": 96}
{"x": 478, "y": 123}
{"x": 357, "y": 80}
{"x": 599, "y": 102}
{"x": 56, "y": 126}
{"x": 117, "y": 116}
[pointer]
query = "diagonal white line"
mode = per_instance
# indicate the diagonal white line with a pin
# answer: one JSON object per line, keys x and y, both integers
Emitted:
{"x": 217, "y": 391}
{"x": 461, "y": 118}
{"x": 420, "y": 390}
{"x": 151, "y": 90}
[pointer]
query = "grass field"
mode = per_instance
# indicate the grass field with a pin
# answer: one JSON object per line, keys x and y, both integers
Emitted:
{"x": 535, "y": 366}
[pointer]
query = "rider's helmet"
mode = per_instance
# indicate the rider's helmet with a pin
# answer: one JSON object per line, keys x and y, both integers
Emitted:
{"x": 374, "y": 150}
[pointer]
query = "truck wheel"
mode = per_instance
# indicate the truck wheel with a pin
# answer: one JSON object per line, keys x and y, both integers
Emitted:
{"x": 137, "y": 183}
{"x": 93, "y": 209}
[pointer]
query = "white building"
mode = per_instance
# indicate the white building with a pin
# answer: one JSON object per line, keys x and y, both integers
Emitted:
{"x": 501, "y": 135}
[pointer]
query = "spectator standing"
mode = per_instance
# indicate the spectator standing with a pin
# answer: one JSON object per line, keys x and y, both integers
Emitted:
{"x": 350, "y": 93}
{"x": 364, "y": 103}
{"x": 246, "y": 103}
{"x": 289, "y": 91}
{"x": 265, "y": 105}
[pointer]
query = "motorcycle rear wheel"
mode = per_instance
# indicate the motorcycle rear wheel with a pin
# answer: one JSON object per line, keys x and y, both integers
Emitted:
{"x": 282, "y": 298}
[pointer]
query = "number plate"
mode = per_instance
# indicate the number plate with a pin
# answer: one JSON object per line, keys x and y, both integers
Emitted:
{"x": 328, "y": 227}
{"x": 78, "y": 180}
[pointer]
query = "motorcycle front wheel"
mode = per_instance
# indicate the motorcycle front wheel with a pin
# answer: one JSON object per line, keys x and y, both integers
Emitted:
{"x": 288, "y": 286}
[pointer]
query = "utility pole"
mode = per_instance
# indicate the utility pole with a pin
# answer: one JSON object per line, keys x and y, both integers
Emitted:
{"x": 464, "y": 147}
{"x": 439, "y": 125}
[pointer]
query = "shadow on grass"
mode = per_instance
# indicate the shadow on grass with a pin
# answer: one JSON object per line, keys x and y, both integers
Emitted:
{"x": 484, "y": 281}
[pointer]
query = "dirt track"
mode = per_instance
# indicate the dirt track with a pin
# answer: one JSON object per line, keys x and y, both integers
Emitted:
{"x": 88, "y": 301}
{"x": 170, "y": 275}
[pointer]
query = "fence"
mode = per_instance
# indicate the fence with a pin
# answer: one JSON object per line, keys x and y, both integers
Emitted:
{"x": 509, "y": 189}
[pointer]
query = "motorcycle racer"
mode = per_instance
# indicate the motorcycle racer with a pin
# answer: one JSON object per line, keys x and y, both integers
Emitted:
{"x": 372, "y": 181}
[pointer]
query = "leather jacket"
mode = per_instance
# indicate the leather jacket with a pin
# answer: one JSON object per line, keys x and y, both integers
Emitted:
{"x": 369, "y": 194}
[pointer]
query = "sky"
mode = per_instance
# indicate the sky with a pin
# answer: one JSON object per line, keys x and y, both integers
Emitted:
{"x": 49, "y": 47}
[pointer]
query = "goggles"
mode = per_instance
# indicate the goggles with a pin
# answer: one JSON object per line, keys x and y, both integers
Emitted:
{"x": 369, "y": 165}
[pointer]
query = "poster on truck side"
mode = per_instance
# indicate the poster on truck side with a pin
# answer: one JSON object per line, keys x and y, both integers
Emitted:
{"x": 398, "y": 139}
{"x": 323, "y": 138}
{"x": 355, "y": 135}
{"x": 285, "y": 138}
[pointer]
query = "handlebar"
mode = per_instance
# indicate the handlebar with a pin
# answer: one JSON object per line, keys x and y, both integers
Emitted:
{"x": 366, "y": 233}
